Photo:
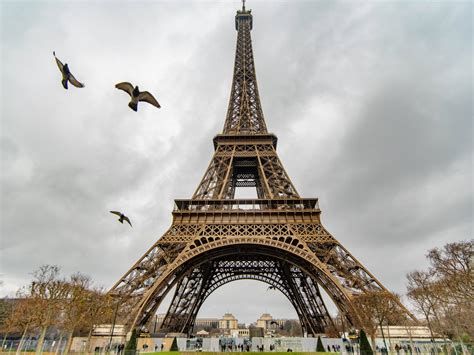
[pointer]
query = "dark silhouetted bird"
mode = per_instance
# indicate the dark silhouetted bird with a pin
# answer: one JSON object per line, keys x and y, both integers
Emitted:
{"x": 136, "y": 95}
{"x": 122, "y": 217}
{"x": 67, "y": 75}
{"x": 271, "y": 288}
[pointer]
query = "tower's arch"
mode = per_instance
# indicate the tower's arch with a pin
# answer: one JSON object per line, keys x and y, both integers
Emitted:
{"x": 288, "y": 268}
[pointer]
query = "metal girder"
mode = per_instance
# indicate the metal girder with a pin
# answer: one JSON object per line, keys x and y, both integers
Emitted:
{"x": 240, "y": 164}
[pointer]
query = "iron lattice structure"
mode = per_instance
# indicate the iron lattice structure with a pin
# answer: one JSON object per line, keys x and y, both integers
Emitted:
{"x": 215, "y": 239}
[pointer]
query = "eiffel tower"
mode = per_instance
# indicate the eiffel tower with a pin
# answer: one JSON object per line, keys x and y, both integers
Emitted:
{"x": 215, "y": 239}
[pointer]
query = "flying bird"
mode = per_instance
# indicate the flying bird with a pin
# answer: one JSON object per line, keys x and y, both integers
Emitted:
{"x": 122, "y": 217}
{"x": 67, "y": 75}
{"x": 271, "y": 288}
{"x": 137, "y": 95}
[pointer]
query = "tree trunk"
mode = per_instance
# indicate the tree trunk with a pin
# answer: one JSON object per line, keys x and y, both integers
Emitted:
{"x": 389, "y": 341}
{"x": 69, "y": 342}
{"x": 39, "y": 346}
{"x": 432, "y": 336}
{"x": 383, "y": 335}
{"x": 59, "y": 343}
{"x": 22, "y": 340}
{"x": 88, "y": 343}
{"x": 372, "y": 340}
{"x": 410, "y": 337}
{"x": 464, "y": 350}
{"x": 4, "y": 340}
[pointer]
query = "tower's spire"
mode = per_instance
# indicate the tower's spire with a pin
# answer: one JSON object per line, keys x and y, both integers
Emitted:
{"x": 244, "y": 115}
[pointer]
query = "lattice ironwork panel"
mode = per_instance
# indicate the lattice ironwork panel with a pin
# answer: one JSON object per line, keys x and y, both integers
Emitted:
{"x": 146, "y": 270}
{"x": 214, "y": 178}
{"x": 182, "y": 311}
{"x": 278, "y": 180}
{"x": 244, "y": 114}
{"x": 269, "y": 174}
{"x": 244, "y": 150}
{"x": 131, "y": 289}
{"x": 303, "y": 232}
{"x": 348, "y": 270}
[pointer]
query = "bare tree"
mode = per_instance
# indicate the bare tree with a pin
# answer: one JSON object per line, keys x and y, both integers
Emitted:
{"x": 6, "y": 309}
{"x": 452, "y": 266}
{"x": 444, "y": 293}
{"x": 75, "y": 305}
{"x": 99, "y": 309}
{"x": 423, "y": 293}
{"x": 68, "y": 305}
{"x": 20, "y": 319}
{"x": 46, "y": 294}
{"x": 375, "y": 308}
{"x": 83, "y": 308}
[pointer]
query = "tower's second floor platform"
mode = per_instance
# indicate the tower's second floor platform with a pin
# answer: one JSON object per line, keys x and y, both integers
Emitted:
{"x": 301, "y": 210}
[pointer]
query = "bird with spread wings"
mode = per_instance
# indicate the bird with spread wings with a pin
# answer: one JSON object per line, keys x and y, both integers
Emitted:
{"x": 67, "y": 75}
{"x": 122, "y": 217}
{"x": 136, "y": 95}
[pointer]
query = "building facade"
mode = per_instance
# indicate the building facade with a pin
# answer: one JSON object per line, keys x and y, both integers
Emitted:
{"x": 228, "y": 321}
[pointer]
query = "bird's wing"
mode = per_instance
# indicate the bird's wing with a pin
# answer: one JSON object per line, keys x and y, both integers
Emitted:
{"x": 127, "y": 87}
{"x": 147, "y": 97}
{"x": 58, "y": 62}
{"x": 125, "y": 218}
{"x": 74, "y": 81}
{"x": 116, "y": 212}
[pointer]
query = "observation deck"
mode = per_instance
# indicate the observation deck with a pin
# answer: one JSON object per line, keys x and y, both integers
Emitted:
{"x": 255, "y": 211}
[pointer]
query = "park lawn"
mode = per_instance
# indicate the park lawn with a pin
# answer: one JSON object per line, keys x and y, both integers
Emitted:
{"x": 233, "y": 353}
{"x": 201, "y": 353}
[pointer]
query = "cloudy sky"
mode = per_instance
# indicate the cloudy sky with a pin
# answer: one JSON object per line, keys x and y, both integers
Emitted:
{"x": 371, "y": 101}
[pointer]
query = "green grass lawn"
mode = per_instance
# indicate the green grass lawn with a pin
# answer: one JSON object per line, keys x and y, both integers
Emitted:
{"x": 233, "y": 353}
{"x": 206, "y": 353}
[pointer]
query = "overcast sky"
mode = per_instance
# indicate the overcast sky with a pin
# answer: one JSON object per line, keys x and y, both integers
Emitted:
{"x": 371, "y": 101}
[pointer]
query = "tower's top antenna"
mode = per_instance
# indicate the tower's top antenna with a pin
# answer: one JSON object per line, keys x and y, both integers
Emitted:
{"x": 243, "y": 15}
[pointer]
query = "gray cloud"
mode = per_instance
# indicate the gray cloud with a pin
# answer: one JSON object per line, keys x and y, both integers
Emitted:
{"x": 372, "y": 104}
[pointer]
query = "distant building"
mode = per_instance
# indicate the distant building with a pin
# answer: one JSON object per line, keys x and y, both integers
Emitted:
{"x": 405, "y": 333}
{"x": 200, "y": 323}
{"x": 229, "y": 325}
{"x": 206, "y": 323}
{"x": 202, "y": 333}
{"x": 240, "y": 333}
{"x": 228, "y": 321}
{"x": 119, "y": 330}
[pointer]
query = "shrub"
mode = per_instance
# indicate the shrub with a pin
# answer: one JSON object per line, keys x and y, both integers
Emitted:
{"x": 131, "y": 346}
{"x": 365, "y": 348}
{"x": 320, "y": 346}
{"x": 174, "y": 345}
